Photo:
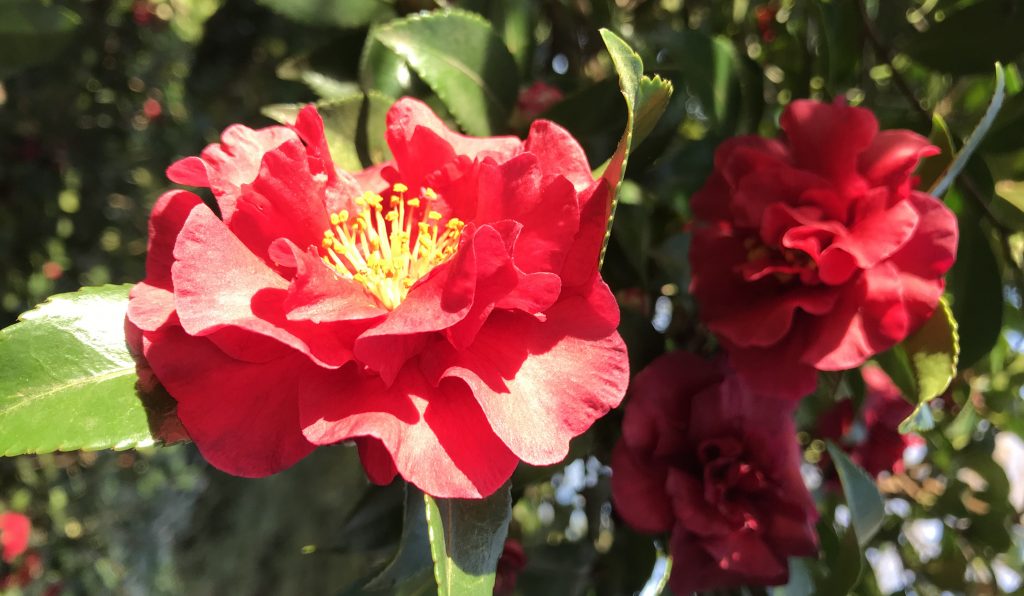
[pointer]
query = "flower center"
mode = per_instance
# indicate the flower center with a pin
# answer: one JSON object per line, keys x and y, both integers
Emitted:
{"x": 388, "y": 249}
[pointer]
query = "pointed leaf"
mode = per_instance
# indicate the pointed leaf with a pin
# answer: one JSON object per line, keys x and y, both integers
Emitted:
{"x": 862, "y": 497}
{"x": 413, "y": 556}
{"x": 466, "y": 540}
{"x": 68, "y": 380}
{"x": 934, "y": 351}
{"x": 464, "y": 62}
{"x": 934, "y": 168}
{"x": 646, "y": 100}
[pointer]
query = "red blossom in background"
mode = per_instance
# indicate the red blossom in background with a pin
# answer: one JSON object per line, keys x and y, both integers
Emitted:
{"x": 813, "y": 251}
{"x": 877, "y": 445}
{"x": 718, "y": 467}
{"x": 444, "y": 309}
{"x": 537, "y": 99}
{"x": 15, "y": 529}
{"x": 510, "y": 564}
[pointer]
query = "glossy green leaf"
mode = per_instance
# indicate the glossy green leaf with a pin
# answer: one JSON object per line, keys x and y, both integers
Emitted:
{"x": 862, "y": 497}
{"x": 646, "y": 100}
{"x": 934, "y": 168}
{"x": 844, "y": 41}
{"x": 976, "y": 286}
{"x": 709, "y": 67}
{"x": 413, "y": 556}
{"x": 354, "y": 126}
{"x": 970, "y": 39}
{"x": 466, "y": 540}
{"x": 977, "y": 135}
{"x": 934, "y": 351}
{"x": 337, "y": 13}
{"x": 32, "y": 33}
{"x": 68, "y": 380}
{"x": 464, "y": 62}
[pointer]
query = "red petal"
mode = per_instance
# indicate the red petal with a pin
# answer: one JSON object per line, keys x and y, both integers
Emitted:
{"x": 580, "y": 265}
{"x": 775, "y": 371}
{"x": 243, "y": 417}
{"x": 540, "y": 384}
{"x": 226, "y": 166}
{"x": 408, "y": 115}
{"x": 284, "y": 201}
{"x": 165, "y": 222}
{"x": 317, "y": 294}
{"x": 874, "y": 238}
{"x": 438, "y": 438}
{"x": 892, "y": 157}
{"x": 828, "y": 139}
{"x": 558, "y": 153}
{"x": 377, "y": 462}
{"x": 218, "y": 283}
{"x": 638, "y": 491}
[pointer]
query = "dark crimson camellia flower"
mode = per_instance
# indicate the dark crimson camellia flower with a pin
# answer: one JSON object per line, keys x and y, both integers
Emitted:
{"x": 814, "y": 252}
{"x": 875, "y": 443}
{"x": 443, "y": 309}
{"x": 716, "y": 466}
{"x": 510, "y": 564}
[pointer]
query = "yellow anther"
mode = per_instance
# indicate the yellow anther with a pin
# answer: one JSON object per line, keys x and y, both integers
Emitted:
{"x": 387, "y": 250}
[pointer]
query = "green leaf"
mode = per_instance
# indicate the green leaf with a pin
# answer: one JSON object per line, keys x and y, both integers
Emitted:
{"x": 354, "y": 126}
{"x": 862, "y": 497}
{"x": 646, "y": 100}
{"x": 970, "y": 39}
{"x": 466, "y": 540}
{"x": 32, "y": 33}
{"x": 976, "y": 286}
{"x": 934, "y": 168}
{"x": 68, "y": 380}
{"x": 709, "y": 67}
{"x": 337, "y": 13}
{"x": 413, "y": 556}
{"x": 934, "y": 350}
{"x": 844, "y": 41}
{"x": 1007, "y": 205}
{"x": 974, "y": 141}
{"x": 464, "y": 62}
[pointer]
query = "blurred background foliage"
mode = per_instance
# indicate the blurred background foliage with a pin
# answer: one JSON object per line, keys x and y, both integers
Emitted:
{"x": 99, "y": 96}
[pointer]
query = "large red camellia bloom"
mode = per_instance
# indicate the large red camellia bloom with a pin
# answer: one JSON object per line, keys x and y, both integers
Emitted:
{"x": 814, "y": 252}
{"x": 716, "y": 466}
{"x": 444, "y": 309}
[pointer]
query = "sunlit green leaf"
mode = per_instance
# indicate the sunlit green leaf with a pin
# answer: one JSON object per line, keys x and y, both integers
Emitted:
{"x": 464, "y": 62}
{"x": 466, "y": 540}
{"x": 646, "y": 99}
{"x": 68, "y": 380}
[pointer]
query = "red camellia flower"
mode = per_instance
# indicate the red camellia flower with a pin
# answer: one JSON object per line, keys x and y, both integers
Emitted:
{"x": 813, "y": 252}
{"x": 443, "y": 309}
{"x": 704, "y": 458}
{"x": 510, "y": 564}
{"x": 15, "y": 529}
{"x": 874, "y": 442}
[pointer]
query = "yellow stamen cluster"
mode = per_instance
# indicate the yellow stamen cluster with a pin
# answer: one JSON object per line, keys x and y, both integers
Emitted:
{"x": 388, "y": 248}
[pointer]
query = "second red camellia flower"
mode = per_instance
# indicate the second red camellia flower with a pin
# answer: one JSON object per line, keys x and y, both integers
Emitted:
{"x": 717, "y": 467}
{"x": 443, "y": 309}
{"x": 813, "y": 252}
